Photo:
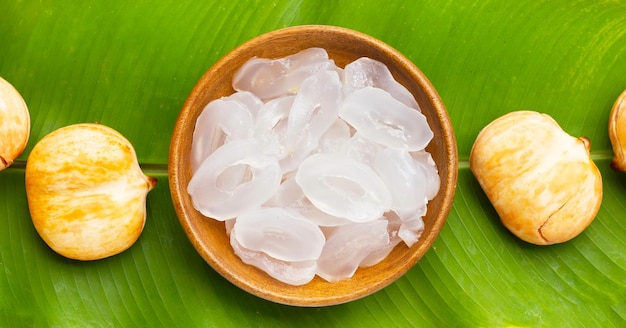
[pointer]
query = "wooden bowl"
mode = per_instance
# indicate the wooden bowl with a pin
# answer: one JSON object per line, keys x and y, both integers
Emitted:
{"x": 208, "y": 236}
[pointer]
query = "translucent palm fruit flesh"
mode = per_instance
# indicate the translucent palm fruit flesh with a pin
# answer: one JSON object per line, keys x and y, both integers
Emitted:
{"x": 617, "y": 133}
{"x": 540, "y": 180}
{"x": 14, "y": 124}
{"x": 315, "y": 169}
{"x": 86, "y": 191}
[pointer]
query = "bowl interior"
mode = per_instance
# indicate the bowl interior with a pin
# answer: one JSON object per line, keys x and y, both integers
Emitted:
{"x": 209, "y": 237}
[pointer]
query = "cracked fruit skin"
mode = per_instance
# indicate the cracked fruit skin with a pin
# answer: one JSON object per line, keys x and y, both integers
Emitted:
{"x": 540, "y": 180}
{"x": 86, "y": 192}
{"x": 14, "y": 124}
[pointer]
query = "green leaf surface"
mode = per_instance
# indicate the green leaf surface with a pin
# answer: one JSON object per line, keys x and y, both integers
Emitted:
{"x": 131, "y": 64}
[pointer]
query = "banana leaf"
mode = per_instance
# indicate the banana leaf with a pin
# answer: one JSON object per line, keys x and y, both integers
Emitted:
{"x": 131, "y": 64}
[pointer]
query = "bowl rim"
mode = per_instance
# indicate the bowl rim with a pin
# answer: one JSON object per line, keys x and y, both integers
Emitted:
{"x": 178, "y": 190}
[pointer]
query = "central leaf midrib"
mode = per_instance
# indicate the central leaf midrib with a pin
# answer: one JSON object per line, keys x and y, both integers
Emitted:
{"x": 161, "y": 168}
{"x": 147, "y": 168}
